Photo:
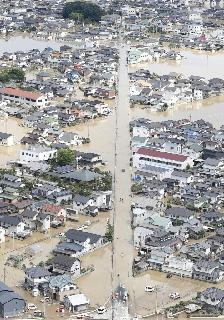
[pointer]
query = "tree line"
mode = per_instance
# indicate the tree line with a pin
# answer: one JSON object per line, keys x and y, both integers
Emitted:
{"x": 82, "y": 11}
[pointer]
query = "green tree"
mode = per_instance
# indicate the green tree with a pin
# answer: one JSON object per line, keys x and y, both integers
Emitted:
{"x": 77, "y": 16}
{"x": 4, "y": 78}
{"x": 136, "y": 187}
{"x": 64, "y": 157}
{"x": 177, "y": 222}
{"x": 13, "y": 74}
{"x": 85, "y": 10}
{"x": 109, "y": 235}
{"x": 16, "y": 74}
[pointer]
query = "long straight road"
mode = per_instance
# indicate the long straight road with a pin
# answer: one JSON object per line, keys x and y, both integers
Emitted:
{"x": 122, "y": 245}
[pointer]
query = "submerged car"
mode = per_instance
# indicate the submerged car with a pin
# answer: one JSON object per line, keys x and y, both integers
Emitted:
{"x": 149, "y": 289}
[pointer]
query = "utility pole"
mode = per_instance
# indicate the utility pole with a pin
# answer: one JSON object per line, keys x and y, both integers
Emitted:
{"x": 13, "y": 240}
{"x": 4, "y": 274}
{"x": 88, "y": 129}
{"x": 156, "y": 309}
{"x": 44, "y": 304}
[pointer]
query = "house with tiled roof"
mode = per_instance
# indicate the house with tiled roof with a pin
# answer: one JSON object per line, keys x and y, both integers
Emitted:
{"x": 56, "y": 212}
{"x": 20, "y": 96}
{"x": 165, "y": 160}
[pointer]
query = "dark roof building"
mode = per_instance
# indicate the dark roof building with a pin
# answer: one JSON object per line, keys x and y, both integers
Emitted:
{"x": 11, "y": 304}
{"x": 77, "y": 236}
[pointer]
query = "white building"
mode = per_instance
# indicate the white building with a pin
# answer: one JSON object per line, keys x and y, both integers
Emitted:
{"x": 195, "y": 29}
{"x": 198, "y": 94}
{"x": 12, "y": 224}
{"x": 2, "y": 235}
{"x": 36, "y": 275}
{"x": 38, "y": 153}
{"x": 213, "y": 166}
{"x": 195, "y": 17}
{"x": 140, "y": 131}
{"x": 150, "y": 157}
{"x": 179, "y": 266}
{"x": 139, "y": 55}
{"x": 127, "y": 10}
{"x": 140, "y": 234}
{"x": 16, "y": 95}
{"x": 70, "y": 138}
{"x": 76, "y": 302}
{"x": 102, "y": 109}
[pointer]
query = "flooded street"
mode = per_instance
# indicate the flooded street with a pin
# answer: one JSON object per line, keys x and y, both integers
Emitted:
{"x": 97, "y": 284}
{"x": 122, "y": 251}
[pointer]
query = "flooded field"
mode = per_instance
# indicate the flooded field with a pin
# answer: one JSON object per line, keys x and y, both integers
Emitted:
{"x": 101, "y": 133}
{"x": 196, "y": 63}
{"x": 97, "y": 284}
{"x": 25, "y": 43}
{"x": 211, "y": 110}
{"x": 207, "y": 65}
{"x": 13, "y": 126}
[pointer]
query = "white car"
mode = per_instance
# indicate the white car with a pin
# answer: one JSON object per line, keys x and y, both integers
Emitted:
{"x": 149, "y": 289}
{"x": 174, "y": 295}
{"x": 101, "y": 310}
{"x": 31, "y": 306}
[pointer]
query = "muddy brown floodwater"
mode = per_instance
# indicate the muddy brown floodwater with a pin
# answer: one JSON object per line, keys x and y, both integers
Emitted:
{"x": 101, "y": 133}
{"x": 211, "y": 110}
{"x": 98, "y": 285}
{"x": 25, "y": 43}
{"x": 196, "y": 63}
{"x": 13, "y": 126}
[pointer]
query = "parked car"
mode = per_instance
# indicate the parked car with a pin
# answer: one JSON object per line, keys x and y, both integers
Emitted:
{"x": 149, "y": 289}
{"x": 192, "y": 307}
{"x": 174, "y": 295}
{"x": 31, "y": 306}
{"x": 38, "y": 314}
{"x": 101, "y": 310}
{"x": 81, "y": 316}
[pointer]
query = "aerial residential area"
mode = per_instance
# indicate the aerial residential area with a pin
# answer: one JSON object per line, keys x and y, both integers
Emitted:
{"x": 112, "y": 159}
